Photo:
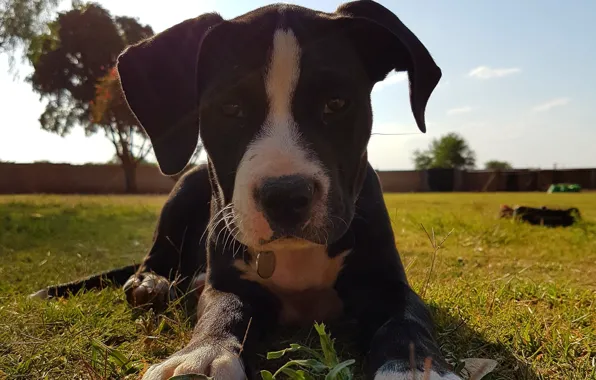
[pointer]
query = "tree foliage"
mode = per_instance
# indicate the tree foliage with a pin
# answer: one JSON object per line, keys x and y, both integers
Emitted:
{"x": 110, "y": 112}
{"x": 21, "y": 21}
{"x": 73, "y": 57}
{"x": 448, "y": 152}
{"x": 74, "y": 72}
{"x": 497, "y": 165}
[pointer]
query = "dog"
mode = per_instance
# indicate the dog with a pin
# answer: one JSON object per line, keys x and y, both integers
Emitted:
{"x": 542, "y": 216}
{"x": 286, "y": 222}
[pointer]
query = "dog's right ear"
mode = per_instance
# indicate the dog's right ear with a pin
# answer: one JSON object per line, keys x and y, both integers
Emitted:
{"x": 158, "y": 79}
{"x": 386, "y": 44}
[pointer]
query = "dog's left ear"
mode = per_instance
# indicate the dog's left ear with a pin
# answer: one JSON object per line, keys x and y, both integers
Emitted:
{"x": 386, "y": 44}
{"x": 158, "y": 79}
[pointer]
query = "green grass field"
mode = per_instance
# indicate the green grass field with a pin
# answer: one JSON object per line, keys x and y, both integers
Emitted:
{"x": 522, "y": 295}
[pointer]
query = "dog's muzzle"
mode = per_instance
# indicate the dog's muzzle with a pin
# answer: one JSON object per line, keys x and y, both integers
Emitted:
{"x": 287, "y": 203}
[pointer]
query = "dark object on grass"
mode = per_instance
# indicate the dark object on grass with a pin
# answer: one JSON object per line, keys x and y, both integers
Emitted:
{"x": 541, "y": 216}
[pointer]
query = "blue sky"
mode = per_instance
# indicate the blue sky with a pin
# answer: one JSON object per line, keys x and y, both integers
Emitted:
{"x": 518, "y": 83}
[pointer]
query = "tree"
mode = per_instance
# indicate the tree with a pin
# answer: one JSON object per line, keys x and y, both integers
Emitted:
{"x": 422, "y": 160}
{"x": 449, "y": 152}
{"x": 110, "y": 112}
{"x": 497, "y": 165}
{"x": 74, "y": 71}
{"x": 20, "y": 22}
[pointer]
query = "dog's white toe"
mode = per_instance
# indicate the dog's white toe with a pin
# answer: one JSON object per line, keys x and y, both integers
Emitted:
{"x": 40, "y": 294}
{"x": 408, "y": 375}
{"x": 209, "y": 360}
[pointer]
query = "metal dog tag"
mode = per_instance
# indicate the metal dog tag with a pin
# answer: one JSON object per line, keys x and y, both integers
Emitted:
{"x": 265, "y": 264}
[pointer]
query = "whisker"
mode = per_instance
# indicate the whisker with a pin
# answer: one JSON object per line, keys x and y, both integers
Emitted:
{"x": 213, "y": 226}
{"x": 231, "y": 238}
{"x": 213, "y": 221}
{"x": 341, "y": 219}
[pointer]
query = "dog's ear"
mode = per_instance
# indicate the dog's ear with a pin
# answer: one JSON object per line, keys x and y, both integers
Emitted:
{"x": 158, "y": 79}
{"x": 386, "y": 44}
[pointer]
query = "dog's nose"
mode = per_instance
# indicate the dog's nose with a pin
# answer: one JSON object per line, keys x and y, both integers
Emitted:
{"x": 287, "y": 200}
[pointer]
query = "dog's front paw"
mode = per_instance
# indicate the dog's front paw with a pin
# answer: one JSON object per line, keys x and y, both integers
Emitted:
{"x": 206, "y": 359}
{"x": 408, "y": 375}
{"x": 392, "y": 371}
{"x": 148, "y": 290}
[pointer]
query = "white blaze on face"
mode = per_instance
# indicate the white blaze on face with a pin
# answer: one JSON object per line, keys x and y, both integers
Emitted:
{"x": 277, "y": 149}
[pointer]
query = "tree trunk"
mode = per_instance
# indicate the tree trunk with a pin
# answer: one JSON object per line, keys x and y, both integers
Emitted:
{"x": 130, "y": 175}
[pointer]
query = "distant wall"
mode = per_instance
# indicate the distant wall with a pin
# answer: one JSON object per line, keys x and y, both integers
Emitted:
{"x": 109, "y": 179}
{"x": 78, "y": 179}
{"x": 484, "y": 180}
{"x": 526, "y": 180}
{"x": 403, "y": 181}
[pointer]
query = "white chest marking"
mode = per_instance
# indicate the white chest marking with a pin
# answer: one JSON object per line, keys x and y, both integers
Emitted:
{"x": 303, "y": 280}
{"x": 298, "y": 269}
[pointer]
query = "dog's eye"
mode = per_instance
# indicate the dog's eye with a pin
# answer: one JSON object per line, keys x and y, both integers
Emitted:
{"x": 334, "y": 105}
{"x": 232, "y": 110}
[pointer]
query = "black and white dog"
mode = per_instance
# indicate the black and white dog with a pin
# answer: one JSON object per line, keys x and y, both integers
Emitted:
{"x": 293, "y": 213}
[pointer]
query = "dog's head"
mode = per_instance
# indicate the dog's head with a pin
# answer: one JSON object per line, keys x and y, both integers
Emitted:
{"x": 280, "y": 98}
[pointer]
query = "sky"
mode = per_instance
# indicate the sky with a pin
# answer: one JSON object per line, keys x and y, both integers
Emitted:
{"x": 517, "y": 83}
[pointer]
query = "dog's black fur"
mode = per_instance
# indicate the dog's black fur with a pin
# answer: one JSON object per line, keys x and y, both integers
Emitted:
{"x": 186, "y": 76}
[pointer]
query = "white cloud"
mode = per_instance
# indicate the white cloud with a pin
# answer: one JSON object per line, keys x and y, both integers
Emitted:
{"x": 551, "y": 104}
{"x": 485, "y": 72}
{"x": 391, "y": 79}
{"x": 459, "y": 110}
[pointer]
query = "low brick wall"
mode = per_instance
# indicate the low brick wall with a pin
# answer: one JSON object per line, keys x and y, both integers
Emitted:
{"x": 109, "y": 179}
{"x": 527, "y": 180}
{"x": 78, "y": 179}
{"x": 403, "y": 181}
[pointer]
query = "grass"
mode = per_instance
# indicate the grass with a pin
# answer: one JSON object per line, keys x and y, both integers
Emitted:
{"x": 522, "y": 295}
